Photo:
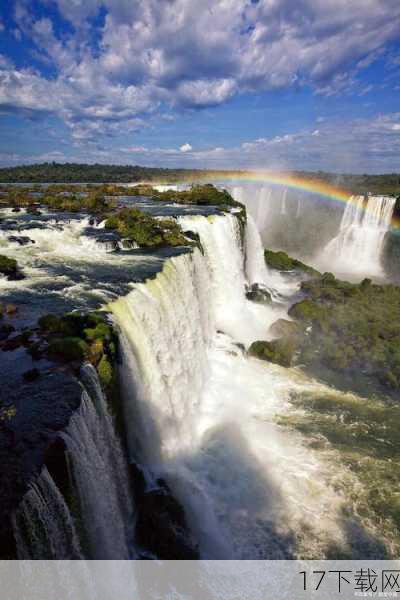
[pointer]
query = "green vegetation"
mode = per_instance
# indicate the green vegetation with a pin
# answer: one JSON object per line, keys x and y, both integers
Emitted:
{"x": 68, "y": 349}
{"x": 351, "y": 328}
{"x": 366, "y": 433}
{"x": 281, "y": 261}
{"x": 388, "y": 183}
{"x": 84, "y": 173}
{"x": 202, "y": 195}
{"x": 76, "y": 337}
{"x": 8, "y": 266}
{"x": 145, "y": 230}
{"x": 278, "y": 351}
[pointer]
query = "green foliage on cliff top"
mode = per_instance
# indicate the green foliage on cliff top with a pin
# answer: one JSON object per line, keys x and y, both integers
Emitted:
{"x": 281, "y": 261}
{"x": 354, "y": 327}
{"x": 78, "y": 337}
{"x": 202, "y": 195}
{"x": 145, "y": 230}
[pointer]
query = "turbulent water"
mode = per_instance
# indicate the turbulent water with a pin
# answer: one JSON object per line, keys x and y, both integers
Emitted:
{"x": 198, "y": 410}
{"x": 358, "y": 247}
{"x": 207, "y": 415}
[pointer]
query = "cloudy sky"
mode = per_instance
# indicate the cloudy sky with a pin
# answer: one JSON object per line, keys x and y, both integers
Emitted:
{"x": 307, "y": 84}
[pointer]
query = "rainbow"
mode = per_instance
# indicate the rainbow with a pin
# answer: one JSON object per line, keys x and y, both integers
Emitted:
{"x": 291, "y": 181}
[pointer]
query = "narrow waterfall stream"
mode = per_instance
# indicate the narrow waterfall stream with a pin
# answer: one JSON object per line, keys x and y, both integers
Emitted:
{"x": 99, "y": 474}
{"x": 207, "y": 415}
{"x": 44, "y": 527}
{"x": 43, "y": 524}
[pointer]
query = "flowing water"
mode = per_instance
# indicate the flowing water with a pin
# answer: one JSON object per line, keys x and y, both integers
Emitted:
{"x": 352, "y": 248}
{"x": 100, "y": 474}
{"x": 198, "y": 411}
{"x": 43, "y": 525}
{"x": 358, "y": 247}
{"x": 208, "y": 416}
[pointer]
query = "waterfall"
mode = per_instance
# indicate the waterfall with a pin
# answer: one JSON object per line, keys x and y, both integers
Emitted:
{"x": 43, "y": 526}
{"x": 283, "y": 202}
{"x": 205, "y": 413}
{"x": 257, "y": 202}
{"x": 170, "y": 319}
{"x": 357, "y": 249}
{"x": 279, "y": 286}
{"x": 99, "y": 474}
{"x": 256, "y": 269}
{"x": 221, "y": 240}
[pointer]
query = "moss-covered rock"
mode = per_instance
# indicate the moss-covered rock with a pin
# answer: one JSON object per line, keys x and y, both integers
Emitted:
{"x": 9, "y": 268}
{"x": 145, "y": 230}
{"x": 280, "y": 351}
{"x": 306, "y": 310}
{"x": 77, "y": 337}
{"x": 355, "y": 328}
{"x": 105, "y": 372}
{"x": 285, "y": 328}
{"x": 68, "y": 349}
{"x": 283, "y": 262}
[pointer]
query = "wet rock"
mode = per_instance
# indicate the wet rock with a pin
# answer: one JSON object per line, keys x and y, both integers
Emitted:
{"x": 12, "y": 343}
{"x": 280, "y": 351}
{"x": 31, "y": 375}
{"x": 29, "y": 426}
{"x": 11, "y": 309}
{"x": 161, "y": 526}
{"x": 33, "y": 210}
{"x": 284, "y": 328}
{"x": 5, "y": 331}
{"x": 16, "y": 209}
{"x": 22, "y": 240}
{"x": 258, "y": 293}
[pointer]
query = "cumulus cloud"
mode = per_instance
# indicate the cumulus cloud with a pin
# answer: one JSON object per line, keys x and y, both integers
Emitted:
{"x": 354, "y": 146}
{"x": 357, "y": 145}
{"x": 143, "y": 58}
{"x": 185, "y": 148}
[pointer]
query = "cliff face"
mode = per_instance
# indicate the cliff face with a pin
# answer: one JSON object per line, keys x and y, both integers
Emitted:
{"x": 33, "y": 414}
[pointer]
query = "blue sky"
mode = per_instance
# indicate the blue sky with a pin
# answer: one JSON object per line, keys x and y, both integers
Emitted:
{"x": 300, "y": 84}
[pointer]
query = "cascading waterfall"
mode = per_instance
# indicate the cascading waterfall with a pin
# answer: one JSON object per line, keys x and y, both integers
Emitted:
{"x": 357, "y": 249}
{"x": 43, "y": 525}
{"x": 257, "y": 272}
{"x": 99, "y": 473}
{"x": 206, "y": 413}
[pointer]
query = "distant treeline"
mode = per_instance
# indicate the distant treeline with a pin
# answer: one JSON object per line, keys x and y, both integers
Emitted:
{"x": 83, "y": 173}
{"x": 387, "y": 183}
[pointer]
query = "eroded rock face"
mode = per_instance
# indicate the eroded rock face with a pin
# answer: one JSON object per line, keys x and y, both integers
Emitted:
{"x": 33, "y": 411}
{"x": 284, "y": 328}
{"x": 161, "y": 527}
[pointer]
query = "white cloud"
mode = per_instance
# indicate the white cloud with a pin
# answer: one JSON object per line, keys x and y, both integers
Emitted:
{"x": 358, "y": 145}
{"x": 185, "y": 148}
{"x": 154, "y": 55}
